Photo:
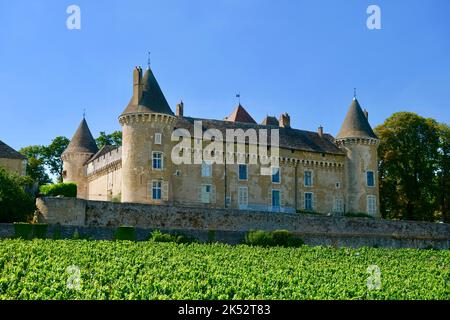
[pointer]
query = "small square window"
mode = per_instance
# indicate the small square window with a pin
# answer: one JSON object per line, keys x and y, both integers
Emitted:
{"x": 158, "y": 138}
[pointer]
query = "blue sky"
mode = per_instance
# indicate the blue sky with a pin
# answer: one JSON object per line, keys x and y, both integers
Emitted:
{"x": 301, "y": 57}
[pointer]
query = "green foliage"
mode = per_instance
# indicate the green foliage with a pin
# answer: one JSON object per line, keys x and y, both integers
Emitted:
{"x": 52, "y": 156}
{"x": 158, "y": 236}
{"x": 112, "y": 139}
{"x": 125, "y": 233}
{"x": 36, "y": 164}
{"x": 358, "y": 215}
{"x": 413, "y": 152}
{"x": 23, "y": 230}
{"x": 211, "y": 235}
{"x": 125, "y": 270}
{"x": 15, "y": 204}
{"x": 59, "y": 189}
{"x": 281, "y": 238}
{"x": 57, "y": 232}
{"x": 117, "y": 198}
{"x": 40, "y": 230}
{"x": 29, "y": 231}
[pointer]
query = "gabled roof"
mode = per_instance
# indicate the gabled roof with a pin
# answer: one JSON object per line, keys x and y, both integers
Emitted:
{"x": 270, "y": 121}
{"x": 240, "y": 115}
{"x": 293, "y": 139}
{"x": 356, "y": 124}
{"x": 82, "y": 141}
{"x": 152, "y": 99}
{"x": 7, "y": 152}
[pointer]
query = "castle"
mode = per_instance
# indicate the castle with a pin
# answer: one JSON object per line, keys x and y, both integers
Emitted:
{"x": 314, "y": 171}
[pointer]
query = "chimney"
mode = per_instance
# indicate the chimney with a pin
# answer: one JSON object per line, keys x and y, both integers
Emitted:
{"x": 320, "y": 131}
{"x": 180, "y": 109}
{"x": 285, "y": 120}
{"x": 137, "y": 84}
{"x": 366, "y": 114}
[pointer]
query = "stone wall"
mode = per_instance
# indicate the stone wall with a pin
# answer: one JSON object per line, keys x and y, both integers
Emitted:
{"x": 314, "y": 229}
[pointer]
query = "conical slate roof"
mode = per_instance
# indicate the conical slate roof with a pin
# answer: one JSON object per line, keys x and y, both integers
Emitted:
{"x": 356, "y": 124}
{"x": 240, "y": 115}
{"x": 82, "y": 141}
{"x": 152, "y": 99}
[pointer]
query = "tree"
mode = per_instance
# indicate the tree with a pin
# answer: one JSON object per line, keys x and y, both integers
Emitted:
{"x": 52, "y": 156}
{"x": 443, "y": 175}
{"x": 15, "y": 204}
{"x": 408, "y": 163}
{"x": 36, "y": 164}
{"x": 113, "y": 139}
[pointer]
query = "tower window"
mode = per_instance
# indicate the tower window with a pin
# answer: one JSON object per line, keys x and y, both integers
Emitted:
{"x": 276, "y": 199}
{"x": 206, "y": 169}
{"x": 243, "y": 172}
{"x": 308, "y": 179}
{"x": 158, "y": 138}
{"x": 276, "y": 178}
{"x": 243, "y": 196}
{"x": 371, "y": 205}
{"x": 308, "y": 201}
{"x": 157, "y": 161}
{"x": 156, "y": 189}
{"x": 370, "y": 179}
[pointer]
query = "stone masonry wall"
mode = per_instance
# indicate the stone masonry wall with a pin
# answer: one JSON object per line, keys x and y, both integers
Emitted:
{"x": 314, "y": 229}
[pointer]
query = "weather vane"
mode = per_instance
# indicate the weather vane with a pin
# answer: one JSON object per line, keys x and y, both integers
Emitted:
{"x": 84, "y": 113}
{"x": 148, "y": 60}
{"x": 238, "y": 95}
{"x": 354, "y": 93}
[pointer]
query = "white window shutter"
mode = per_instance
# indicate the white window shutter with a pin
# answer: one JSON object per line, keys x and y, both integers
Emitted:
{"x": 200, "y": 193}
{"x": 165, "y": 190}
{"x": 269, "y": 197}
{"x": 149, "y": 190}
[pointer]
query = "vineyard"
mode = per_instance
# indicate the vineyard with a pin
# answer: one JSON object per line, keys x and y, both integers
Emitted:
{"x": 80, "y": 269}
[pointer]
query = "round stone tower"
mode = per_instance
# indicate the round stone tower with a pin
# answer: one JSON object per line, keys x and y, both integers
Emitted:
{"x": 358, "y": 140}
{"x": 147, "y": 124}
{"x": 80, "y": 149}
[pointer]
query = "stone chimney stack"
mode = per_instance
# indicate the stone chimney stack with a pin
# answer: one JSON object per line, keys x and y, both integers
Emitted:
{"x": 285, "y": 120}
{"x": 366, "y": 114}
{"x": 137, "y": 85}
{"x": 180, "y": 109}
{"x": 320, "y": 131}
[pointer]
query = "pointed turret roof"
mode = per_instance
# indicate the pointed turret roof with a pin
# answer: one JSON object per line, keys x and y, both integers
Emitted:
{"x": 152, "y": 99}
{"x": 82, "y": 141}
{"x": 270, "y": 121}
{"x": 240, "y": 115}
{"x": 356, "y": 124}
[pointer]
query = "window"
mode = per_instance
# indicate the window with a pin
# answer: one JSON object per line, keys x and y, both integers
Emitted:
{"x": 243, "y": 196}
{"x": 156, "y": 189}
{"x": 243, "y": 174}
{"x": 206, "y": 193}
{"x": 206, "y": 169}
{"x": 308, "y": 201}
{"x": 157, "y": 161}
{"x": 371, "y": 205}
{"x": 227, "y": 201}
{"x": 338, "y": 185}
{"x": 338, "y": 205}
{"x": 276, "y": 175}
{"x": 276, "y": 198}
{"x": 370, "y": 179}
{"x": 308, "y": 179}
{"x": 158, "y": 138}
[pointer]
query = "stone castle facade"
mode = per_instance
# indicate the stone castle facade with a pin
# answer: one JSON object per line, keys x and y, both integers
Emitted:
{"x": 315, "y": 172}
